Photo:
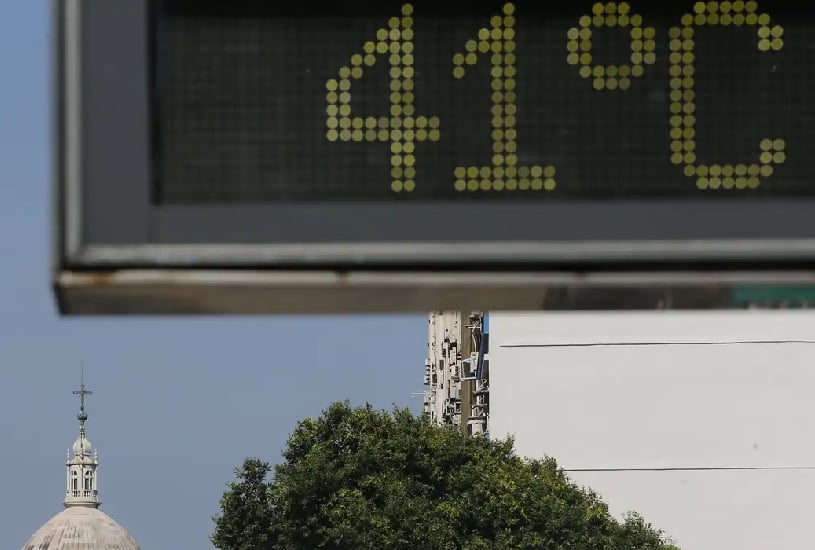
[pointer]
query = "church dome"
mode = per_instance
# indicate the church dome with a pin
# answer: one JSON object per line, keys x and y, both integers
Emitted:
{"x": 81, "y": 527}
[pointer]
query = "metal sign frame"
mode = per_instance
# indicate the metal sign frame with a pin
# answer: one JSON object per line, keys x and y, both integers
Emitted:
{"x": 114, "y": 255}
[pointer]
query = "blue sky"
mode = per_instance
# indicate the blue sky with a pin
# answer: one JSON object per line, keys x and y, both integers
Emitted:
{"x": 177, "y": 403}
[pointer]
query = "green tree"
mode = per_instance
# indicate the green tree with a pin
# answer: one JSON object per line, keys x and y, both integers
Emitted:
{"x": 357, "y": 478}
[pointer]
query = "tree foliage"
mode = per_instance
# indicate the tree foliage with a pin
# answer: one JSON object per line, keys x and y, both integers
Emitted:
{"x": 358, "y": 478}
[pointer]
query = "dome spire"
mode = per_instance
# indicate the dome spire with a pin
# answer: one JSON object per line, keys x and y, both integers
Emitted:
{"x": 81, "y": 489}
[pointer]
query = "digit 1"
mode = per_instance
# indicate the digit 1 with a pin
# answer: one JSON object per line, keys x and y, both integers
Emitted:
{"x": 402, "y": 128}
{"x": 683, "y": 121}
{"x": 611, "y": 77}
{"x": 503, "y": 173}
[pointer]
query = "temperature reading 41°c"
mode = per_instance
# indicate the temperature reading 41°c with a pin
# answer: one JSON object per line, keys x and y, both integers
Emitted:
{"x": 492, "y": 101}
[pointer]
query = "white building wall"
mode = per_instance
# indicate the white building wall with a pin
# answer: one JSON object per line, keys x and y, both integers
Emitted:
{"x": 711, "y": 442}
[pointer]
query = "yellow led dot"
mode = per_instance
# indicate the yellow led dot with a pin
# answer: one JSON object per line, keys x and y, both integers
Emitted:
{"x": 765, "y": 157}
{"x": 585, "y": 21}
{"x": 715, "y": 183}
{"x": 458, "y": 72}
{"x": 523, "y": 171}
{"x": 434, "y": 135}
{"x": 623, "y": 21}
{"x": 410, "y": 185}
{"x": 409, "y": 136}
{"x": 511, "y": 184}
{"x": 484, "y": 172}
{"x": 726, "y": 19}
{"x": 486, "y": 185}
{"x": 676, "y": 146}
{"x": 573, "y": 33}
{"x": 597, "y": 8}
{"x": 345, "y": 122}
{"x": 763, "y": 32}
{"x": 408, "y": 110}
{"x": 407, "y": 9}
{"x": 738, "y": 20}
{"x": 636, "y": 45}
{"x": 597, "y": 20}
{"x": 585, "y": 45}
{"x": 433, "y": 122}
{"x": 572, "y": 59}
{"x": 585, "y": 59}
{"x": 537, "y": 184}
{"x": 345, "y": 84}
{"x": 496, "y": 34}
{"x": 358, "y": 122}
{"x": 649, "y": 58}
{"x": 511, "y": 147}
{"x": 611, "y": 83}
{"x": 511, "y": 134}
{"x": 776, "y": 44}
{"x": 496, "y": 72}
{"x": 345, "y": 97}
{"x": 740, "y": 170}
{"x": 407, "y": 22}
{"x": 751, "y": 19}
{"x": 741, "y": 182}
{"x": 393, "y": 22}
{"x": 549, "y": 184}
{"x": 383, "y": 135}
{"x": 585, "y": 34}
{"x": 472, "y": 185}
{"x": 370, "y": 135}
{"x": 498, "y": 185}
{"x": 766, "y": 170}
{"x": 636, "y": 20}
{"x": 357, "y": 135}
{"x": 713, "y": 19}
{"x": 407, "y": 72}
{"x": 611, "y": 7}
{"x": 765, "y": 144}
{"x": 637, "y": 70}
{"x": 611, "y": 21}
{"x": 471, "y": 46}
{"x": 699, "y": 7}
{"x": 396, "y": 147}
{"x": 509, "y": 21}
{"x": 777, "y": 31}
{"x": 636, "y": 58}
{"x": 460, "y": 185}
{"x": 356, "y": 59}
{"x": 676, "y": 121}
{"x": 396, "y": 160}
{"x": 345, "y": 135}
{"x": 701, "y": 183}
{"x": 356, "y": 72}
{"x": 753, "y": 182}
{"x": 471, "y": 59}
{"x": 396, "y": 186}
{"x": 690, "y": 158}
{"x": 728, "y": 183}
{"x": 624, "y": 83}
{"x": 689, "y": 171}
{"x": 332, "y": 135}
{"x": 599, "y": 83}
{"x": 585, "y": 71}
{"x": 483, "y": 34}
{"x": 523, "y": 184}
{"x": 764, "y": 19}
{"x": 689, "y": 120}
{"x": 509, "y": 8}
{"x": 700, "y": 19}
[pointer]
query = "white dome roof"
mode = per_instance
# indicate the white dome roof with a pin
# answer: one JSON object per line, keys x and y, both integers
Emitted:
{"x": 82, "y": 446}
{"x": 81, "y": 527}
